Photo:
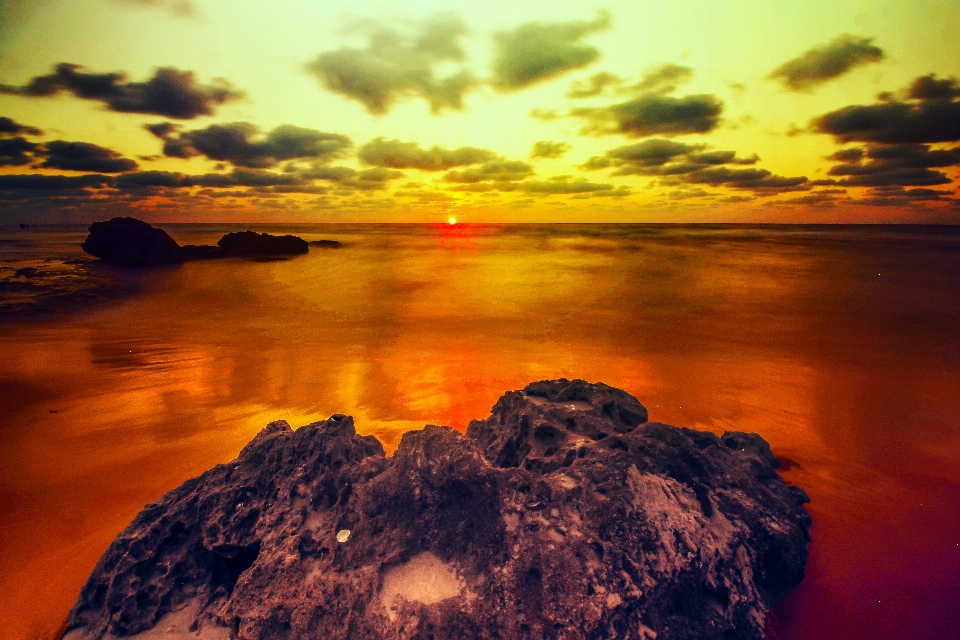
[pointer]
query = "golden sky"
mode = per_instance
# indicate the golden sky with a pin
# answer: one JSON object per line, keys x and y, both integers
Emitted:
{"x": 527, "y": 111}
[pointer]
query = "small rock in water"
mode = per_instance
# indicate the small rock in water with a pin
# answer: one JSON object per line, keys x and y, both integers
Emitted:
{"x": 565, "y": 514}
{"x": 132, "y": 243}
{"x": 251, "y": 243}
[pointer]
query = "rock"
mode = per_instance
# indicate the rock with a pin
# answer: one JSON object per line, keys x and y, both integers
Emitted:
{"x": 132, "y": 243}
{"x": 251, "y": 243}
{"x": 565, "y": 514}
{"x": 202, "y": 252}
{"x": 326, "y": 244}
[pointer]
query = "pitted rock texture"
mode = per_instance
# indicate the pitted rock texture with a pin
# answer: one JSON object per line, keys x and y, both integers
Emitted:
{"x": 565, "y": 515}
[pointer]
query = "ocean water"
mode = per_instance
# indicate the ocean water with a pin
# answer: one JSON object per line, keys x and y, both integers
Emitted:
{"x": 839, "y": 344}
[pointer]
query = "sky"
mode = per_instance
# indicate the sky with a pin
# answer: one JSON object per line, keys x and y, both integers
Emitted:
{"x": 521, "y": 111}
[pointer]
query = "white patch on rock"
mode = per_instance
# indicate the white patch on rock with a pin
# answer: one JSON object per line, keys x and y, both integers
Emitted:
{"x": 343, "y": 535}
{"x": 172, "y": 626}
{"x": 425, "y": 579}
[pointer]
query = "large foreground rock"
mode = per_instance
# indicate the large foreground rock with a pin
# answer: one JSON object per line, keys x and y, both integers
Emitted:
{"x": 132, "y": 243}
{"x": 565, "y": 514}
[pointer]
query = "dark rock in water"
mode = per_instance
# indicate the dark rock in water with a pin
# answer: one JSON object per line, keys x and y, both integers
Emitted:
{"x": 251, "y": 243}
{"x": 202, "y": 252}
{"x": 132, "y": 243}
{"x": 563, "y": 515}
{"x": 326, "y": 244}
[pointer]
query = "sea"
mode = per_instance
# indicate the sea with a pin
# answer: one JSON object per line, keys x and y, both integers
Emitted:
{"x": 838, "y": 344}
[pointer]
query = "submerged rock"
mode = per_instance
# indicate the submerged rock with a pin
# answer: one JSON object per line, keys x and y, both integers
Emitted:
{"x": 132, "y": 243}
{"x": 251, "y": 243}
{"x": 565, "y": 514}
{"x": 326, "y": 244}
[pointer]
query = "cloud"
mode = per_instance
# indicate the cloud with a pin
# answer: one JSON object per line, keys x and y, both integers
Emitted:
{"x": 594, "y": 85}
{"x": 39, "y": 182}
{"x": 346, "y": 178}
{"x": 544, "y": 114}
{"x": 409, "y": 155}
{"x": 896, "y": 196}
{"x": 546, "y": 149}
{"x": 559, "y": 185}
{"x": 826, "y": 62}
{"x": 663, "y": 79}
{"x": 170, "y": 92}
{"x": 17, "y": 151}
{"x": 686, "y": 194}
{"x": 660, "y": 157}
{"x": 653, "y": 114}
{"x": 396, "y": 66}
{"x": 179, "y": 8}
{"x": 677, "y": 163}
{"x": 10, "y": 127}
{"x": 932, "y": 115}
{"x": 497, "y": 171}
{"x": 538, "y": 51}
{"x": 893, "y": 165}
{"x": 237, "y": 144}
{"x": 566, "y": 185}
{"x": 929, "y": 87}
{"x": 84, "y": 156}
{"x": 757, "y": 180}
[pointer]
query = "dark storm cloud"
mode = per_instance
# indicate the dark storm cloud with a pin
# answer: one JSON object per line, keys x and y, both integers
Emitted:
{"x": 409, "y": 155}
{"x": 828, "y": 61}
{"x": 660, "y": 157}
{"x": 663, "y": 79}
{"x": 240, "y": 143}
{"x": 538, "y": 51}
{"x": 547, "y": 149}
{"x": 17, "y": 151}
{"x": 84, "y": 156}
{"x": 497, "y": 171}
{"x": 931, "y": 114}
{"x": 653, "y": 114}
{"x": 893, "y": 165}
{"x": 170, "y": 92}
{"x": 10, "y": 127}
{"x": 395, "y": 66}
{"x": 594, "y": 85}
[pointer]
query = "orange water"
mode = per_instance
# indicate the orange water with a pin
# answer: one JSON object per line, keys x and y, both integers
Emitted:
{"x": 841, "y": 346}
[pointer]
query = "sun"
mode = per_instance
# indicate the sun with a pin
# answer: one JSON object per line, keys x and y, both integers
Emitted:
{"x": 452, "y": 220}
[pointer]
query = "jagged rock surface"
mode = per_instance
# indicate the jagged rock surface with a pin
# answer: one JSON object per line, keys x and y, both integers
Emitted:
{"x": 563, "y": 515}
{"x": 132, "y": 243}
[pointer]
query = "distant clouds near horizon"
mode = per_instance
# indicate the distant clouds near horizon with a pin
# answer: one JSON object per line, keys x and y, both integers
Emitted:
{"x": 664, "y": 146}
